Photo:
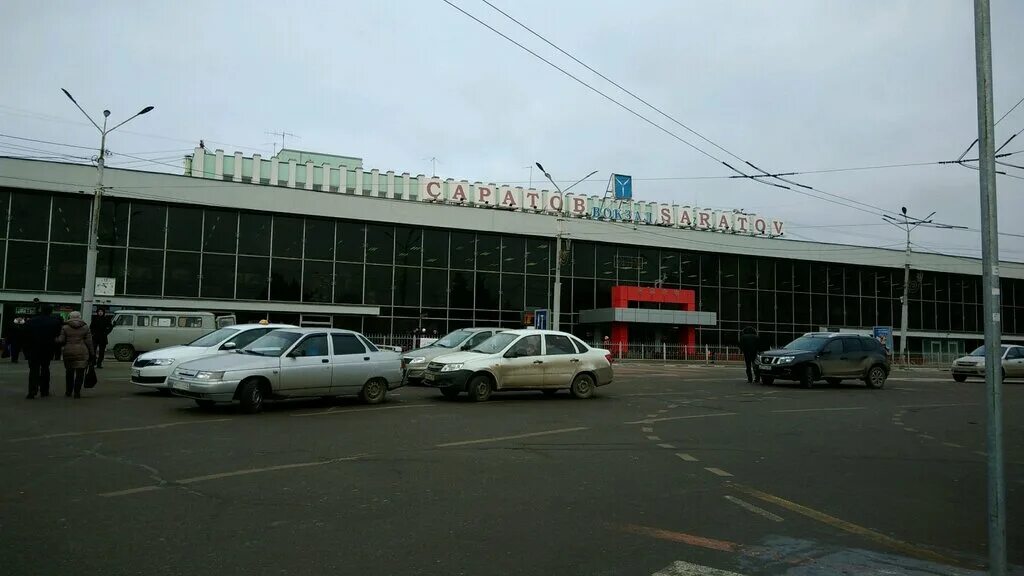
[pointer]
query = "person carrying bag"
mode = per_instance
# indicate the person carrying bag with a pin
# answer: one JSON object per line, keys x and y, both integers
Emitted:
{"x": 77, "y": 350}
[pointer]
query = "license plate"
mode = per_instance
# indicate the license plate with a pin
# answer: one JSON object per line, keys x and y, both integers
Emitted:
{"x": 767, "y": 368}
{"x": 136, "y": 372}
{"x": 429, "y": 377}
{"x": 180, "y": 385}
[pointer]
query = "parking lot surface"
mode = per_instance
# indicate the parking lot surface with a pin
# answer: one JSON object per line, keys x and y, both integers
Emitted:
{"x": 671, "y": 470}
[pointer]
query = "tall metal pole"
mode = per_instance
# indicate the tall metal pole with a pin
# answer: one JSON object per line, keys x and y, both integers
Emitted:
{"x": 556, "y": 304}
{"x": 990, "y": 288}
{"x": 904, "y": 319}
{"x": 89, "y": 290}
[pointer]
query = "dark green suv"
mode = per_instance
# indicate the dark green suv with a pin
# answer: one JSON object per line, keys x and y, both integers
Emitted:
{"x": 826, "y": 356}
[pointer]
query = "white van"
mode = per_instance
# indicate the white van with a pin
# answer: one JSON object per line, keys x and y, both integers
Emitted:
{"x": 138, "y": 331}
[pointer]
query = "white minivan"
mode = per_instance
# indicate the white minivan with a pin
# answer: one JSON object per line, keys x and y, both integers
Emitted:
{"x": 137, "y": 331}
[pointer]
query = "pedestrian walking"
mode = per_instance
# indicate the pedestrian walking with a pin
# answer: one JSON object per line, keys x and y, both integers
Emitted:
{"x": 102, "y": 326}
{"x": 16, "y": 338}
{"x": 77, "y": 349}
{"x": 41, "y": 332}
{"x": 749, "y": 343}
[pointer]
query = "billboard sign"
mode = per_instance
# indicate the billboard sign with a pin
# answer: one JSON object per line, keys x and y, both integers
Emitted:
{"x": 884, "y": 336}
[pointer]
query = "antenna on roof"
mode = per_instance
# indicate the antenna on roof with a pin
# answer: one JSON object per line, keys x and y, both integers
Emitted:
{"x": 282, "y": 134}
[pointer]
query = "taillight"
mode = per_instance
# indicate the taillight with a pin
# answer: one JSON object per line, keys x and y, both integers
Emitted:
{"x": 609, "y": 358}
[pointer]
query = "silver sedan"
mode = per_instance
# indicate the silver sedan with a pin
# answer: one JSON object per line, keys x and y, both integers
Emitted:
{"x": 292, "y": 363}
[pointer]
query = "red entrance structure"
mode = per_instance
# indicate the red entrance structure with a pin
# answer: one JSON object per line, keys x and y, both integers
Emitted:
{"x": 622, "y": 296}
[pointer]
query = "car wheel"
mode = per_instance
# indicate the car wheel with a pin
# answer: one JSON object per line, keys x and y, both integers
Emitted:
{"x": 549, "y": 392}
{"x": 583, "y": 386}
{"x": 374, "y": 391}
{"x": 205, "y": 403}
{"x": 807, "y": 376}
{"x": 834, "y": 381}
{"x": 479, "y": 388}
{"x": 124, "y": 352}
{"x": 767, "y": 380}
{"x": 876, "y": 377}
{"x": 250, "y": 396}
{"x": 450, "y": 393}
{"x": 959, "y": 378}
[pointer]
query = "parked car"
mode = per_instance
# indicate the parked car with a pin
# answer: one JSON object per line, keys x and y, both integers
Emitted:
{"x": 150, "y": 370}
{"x": 415, "y": 361}
{"x": 291, "y": 363}
{"x": 826, "y": 356}
{"x": 974, "y": 363}
{"x": 522, "y": 360}
{"x": 137, "y": 331}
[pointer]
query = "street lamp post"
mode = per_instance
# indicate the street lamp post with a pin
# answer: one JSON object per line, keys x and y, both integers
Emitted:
{"x": 89, "y": 290}
{"x": 556, "y": 304}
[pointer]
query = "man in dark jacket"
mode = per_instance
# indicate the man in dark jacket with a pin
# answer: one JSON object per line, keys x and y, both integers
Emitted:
{"x": 41, "y": 333}
{"x": 101, "y": 327}
{"x": 748, "y": 345}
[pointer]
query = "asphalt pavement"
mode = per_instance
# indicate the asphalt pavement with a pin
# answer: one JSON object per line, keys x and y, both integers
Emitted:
{"x": 670, "y": 470}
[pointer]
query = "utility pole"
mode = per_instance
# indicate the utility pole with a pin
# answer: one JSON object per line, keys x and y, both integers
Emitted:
{"x": 433, "y": 166}
{"x": 990, "y": 289}
{"x": 908, "y": 224}
{"x": 92, "y": 252}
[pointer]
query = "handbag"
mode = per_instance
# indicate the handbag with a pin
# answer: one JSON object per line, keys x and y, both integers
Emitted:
{"x": 90, "y": 377}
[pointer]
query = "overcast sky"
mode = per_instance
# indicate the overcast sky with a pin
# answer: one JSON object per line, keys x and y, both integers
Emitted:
{"x": 789, "y": 86}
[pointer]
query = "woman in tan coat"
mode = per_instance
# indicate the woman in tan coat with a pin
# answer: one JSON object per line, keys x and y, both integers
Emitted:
{"x": 77, "y": 349}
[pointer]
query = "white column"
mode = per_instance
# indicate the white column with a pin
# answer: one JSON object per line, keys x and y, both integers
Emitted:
{"x": 274, "y": 171}
{"x": 325, "y": 172}
{"x": 392, "y": 193}
{"x": 343, "y": 179}
{"x": 198, "y": 158}
{"x": 257, "y": 169}
{"x": 406, "y": 186}
{"x": 375, "y": 183}
{"x": 359, "y": 181}
{"x": 309, "y": 174}
{"x": 218, "y": 165}
{"x": 237, "y": 176}
{"x": 293, "y": 168}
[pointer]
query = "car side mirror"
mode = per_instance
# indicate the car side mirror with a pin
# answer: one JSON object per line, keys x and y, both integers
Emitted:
{"x": 466, "y": 347}
{"x": 229, "y": 346}
{"x": 512, "y": 354}
{"x": 297, "y": 354}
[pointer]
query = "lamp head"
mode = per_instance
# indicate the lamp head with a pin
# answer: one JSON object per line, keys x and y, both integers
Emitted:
{"x": 106, "y": 113}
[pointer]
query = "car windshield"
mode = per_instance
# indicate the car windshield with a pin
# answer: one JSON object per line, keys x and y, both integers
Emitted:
{"x": 495, "y": 343}
{"x": 980, "y": 351}
{"x": 213, "y": 338}
{"x": 452, "y": 339}
{"x": 810, "y": 343}
{"x": 273, "y": 344}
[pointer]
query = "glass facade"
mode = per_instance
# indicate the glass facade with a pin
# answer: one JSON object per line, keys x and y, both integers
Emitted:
{"x": 447, "y": 279}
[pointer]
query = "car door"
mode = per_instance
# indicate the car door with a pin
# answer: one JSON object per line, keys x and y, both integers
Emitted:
{"x": 523, "y": 364}
{"x": 831, "y": 360}
{"x": 1014, "y": 362}
{"x": 854, "y": 357}
{"x": 351, "y": 364}
{"x": 306, "y": 368}
{"x": 561, "y": 361}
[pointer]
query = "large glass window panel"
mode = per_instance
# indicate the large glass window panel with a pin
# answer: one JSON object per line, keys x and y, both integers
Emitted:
{"x": 928, "y": 315}
{"x": 218, "y": 279}
{"x": 70, "y": 219}
{"x": 801, "y": 308}
{"x": 254, "y": 234}
{"x": 819, "y": 310}
{"x": 972, "y": 317}
{"x": 488, "y": 252}
{"x": 460, "y": 294}
{"x": 5, "y": 203}
{"x": 113, "y": 228}
{"x": 801, "y": 276}
{"x": 378, "y": 285}
{"x": 956, "y": 289}
{"x": 184, "y": 228}
{"x": 110, "y": 263}
{"x": 147, "y": 226}
{"x": 408, "y": 246}
{"x": 463, "y": 250}
{"x": 730, "y": 270}
{"x": 867, "y": 312}
{"x": 145, "y": 272}
{"x": 784, "y": 275}
{"x": 650, "y": 270}
{"x": 883, "y": 283}
{"x": 819, "y": 278}
{"x": 765, "y": 306}
{"x": 729, "y": 308}
{"x": 852, "y": 281}
{"x": 582, "y": 294}
{"x": 66, "y": 272}
{"x": 669, "y": 269}
{"x": 30, "y": 216}
{"x": 835, "y": 279}
{"x": 883, "y": 312}
{"x": 285, "y": 279}
{"x": 407, "y": 286}
{"x": 253, "y": 278}
{"x": 220, "y": 230}
{"x": 926, "y": 285}
{"x": 708, "y": 300}
{"x": 348, "y": 283}
{"x": 748, "y": 272}
{"x": 317, "y": 280}
{"x": 435, "y": 248}
{"x": 942, "y": 287}
{"x": 942, "y": 316}
{"x": 748, "y": 305}
{"x": 709, "y": 270}
{"x": 537, "y": 292}
{"x": 380, "y": 244}
{"x": 488, "y": 286}
{"x": 538, "y": 256}
{"x": 605, "y": 257}
{"x": 603, "y": 293}
{"x": 867, "y": 282}
{"x": 513, "y": 290}
{"x": 836, "y": 317}
{"x": 852, "y": 310}
{"x": 181, "y": 274}
{"x": 689, "y": 269}
{"x": 765, "y": 273}
{"x": 319, "y": 240}
{"x": 784, "y": 308}
{"x": 287, "y": 239}
{"x": 582, "y": 259}
{"x": 629, "y": 265}
{"x": 351, "y": 242}
{"x": 914, "y": 314}
{"x": 435, "y": 288}
{"x": 972, "y": 289}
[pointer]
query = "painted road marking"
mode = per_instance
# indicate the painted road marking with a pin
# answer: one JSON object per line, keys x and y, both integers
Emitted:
{"x": 515, "y": 437}
{"x": 980, "y": 453}
{"x": 219, "y": 475}
{"x": 911, "y": 429}
{"x": 662, "y": 411}
{"x": 669, "y": 446}
{"x": 647, "y": 429}
{"x": 115, "y": 430}
{"x": 683, "y": 538}
{"x": 952, "y": 445}
{"x": 899, "y": 545}
{"x": 939, "y": 405}
{"x": 686, "y": 457}
{"x": 718, "y": 472}
{"x": 336, "y": 411}
{"x": 651, "y": 416}
{"x": 756, "y": 510}
{"x": 820, "y": 409}
{"x": 926, "y": 436}
{"x": 680, "y": 568}
{"x": 671, "y": 406}
{"x": 654, "y": 438}
{"x": 653, "y": 420}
